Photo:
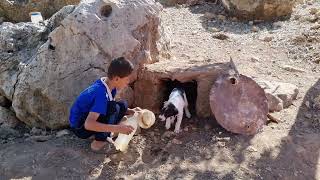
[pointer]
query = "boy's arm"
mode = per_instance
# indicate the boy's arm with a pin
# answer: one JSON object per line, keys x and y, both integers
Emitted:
{"x": 92, "y": 124}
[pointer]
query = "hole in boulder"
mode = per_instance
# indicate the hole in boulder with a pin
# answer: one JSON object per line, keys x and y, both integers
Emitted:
{"x": 189, "y": 87}
{"x": 233, "y": 80}
{"x": 106, "y": 10}
{"x": 51, "y": 47}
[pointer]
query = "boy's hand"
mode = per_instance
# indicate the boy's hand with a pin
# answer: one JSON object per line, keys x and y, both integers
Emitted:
{"x": 132, "y": 111}
{"x": 137, "y": 109}
{"x": 124, "y": 129}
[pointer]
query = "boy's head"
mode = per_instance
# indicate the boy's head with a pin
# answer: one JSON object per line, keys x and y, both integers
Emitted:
{"x": 119, "y": 71}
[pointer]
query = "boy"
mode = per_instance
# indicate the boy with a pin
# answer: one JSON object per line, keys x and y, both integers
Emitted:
{"x": 95, "y": 113}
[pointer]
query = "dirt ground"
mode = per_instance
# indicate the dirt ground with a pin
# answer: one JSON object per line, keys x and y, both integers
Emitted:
{"x": 204, "y": 150}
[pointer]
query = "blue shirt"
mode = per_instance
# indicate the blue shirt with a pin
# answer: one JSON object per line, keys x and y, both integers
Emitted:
{"x": 92, "y": 99}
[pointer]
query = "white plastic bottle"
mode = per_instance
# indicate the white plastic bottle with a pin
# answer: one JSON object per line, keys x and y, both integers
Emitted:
{"x": 122, "y": 141}
{"x": 36, "y": 17}
{"x": 144, "y": 119}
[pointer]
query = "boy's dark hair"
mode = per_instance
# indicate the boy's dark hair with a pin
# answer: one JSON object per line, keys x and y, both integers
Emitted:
{"x": 120, "y": 67}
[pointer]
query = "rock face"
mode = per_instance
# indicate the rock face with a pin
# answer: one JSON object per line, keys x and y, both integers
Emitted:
{"x": 316, "y": 102}
{"x": 7, "y": 118}
{"x": 79, "y": 51}
{"x": 175, "y": 2}
{"x": 18, "y": 10}
{"x": 280, "y": 95}
{"x": 18, "y": 43}
{"x": 259, "y": 9}
{"x": 4, "y": 102}
{"x": 56, "y": 19}
{"x": 126, "y": 94}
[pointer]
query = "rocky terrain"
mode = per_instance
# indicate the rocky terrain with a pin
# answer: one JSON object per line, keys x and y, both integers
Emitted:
{"x": 201, "y": 34}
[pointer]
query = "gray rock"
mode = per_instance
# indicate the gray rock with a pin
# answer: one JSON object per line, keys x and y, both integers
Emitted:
{"x": 8, "y": 118}
{"x": 18, "y": 43}
{"x": 316, "y": 102}
{"x": 280, "y": 95}
{"x": 274, "y": 103}
{"x": 79, "y": 51}
{"x": 258, "y": 9}
{"x": 62, "y": 133}
{"x": 39, "y": 138}
{"x": 36, "y": 131}
{"x": 18, "y": 10}
{"x": 6, "y": 132}
{"x": 293, "y": 69}
{"x": 58, "y": 17}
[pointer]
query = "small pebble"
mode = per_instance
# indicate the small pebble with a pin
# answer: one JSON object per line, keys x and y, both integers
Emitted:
{"x": 213, "y": 29}
{"x": 255, "y": 59}
{"x": 176, "y": 141}
{"x": 209, "y": 15}
{"x": 62, "y": 133}
{"x": 267, "y": 39}
{"x": 221, "y": 17}
{"x": 254, "y": 29}
{"x": 316, "y": 26}
{"x": 220, "y": 36}
{"x": 313, "y": 11}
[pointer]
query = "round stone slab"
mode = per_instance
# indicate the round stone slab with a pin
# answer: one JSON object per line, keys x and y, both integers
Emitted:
{"x": 239, "y": 104}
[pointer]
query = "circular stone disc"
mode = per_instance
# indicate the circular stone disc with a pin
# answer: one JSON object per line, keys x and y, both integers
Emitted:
{"x": 239, "y": 104}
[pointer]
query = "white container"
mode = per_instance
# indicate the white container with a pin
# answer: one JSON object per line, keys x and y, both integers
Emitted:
{"x": 36, "y": 17}
{"x": 122, "y": 141}
{"x": 145, "y": 119}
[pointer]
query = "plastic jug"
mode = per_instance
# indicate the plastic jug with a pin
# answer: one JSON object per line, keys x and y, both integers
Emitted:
{"x": 144, "y": 119}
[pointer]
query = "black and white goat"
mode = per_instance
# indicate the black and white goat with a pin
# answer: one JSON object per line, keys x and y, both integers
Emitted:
{"x": 174, "y": 107}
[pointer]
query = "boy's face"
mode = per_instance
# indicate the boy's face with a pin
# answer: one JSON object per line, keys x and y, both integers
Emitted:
{"x": 121, "y": 82}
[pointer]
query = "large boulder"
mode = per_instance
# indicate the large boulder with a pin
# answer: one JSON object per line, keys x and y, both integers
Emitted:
{"x": 126, "y": 94}
{"x": 259, "y": 9}
{"x": 18, "y": 43}
{"x": 56, "y": 19}
{"x": 79, "y": 51}
{"x": 18, "y": 10}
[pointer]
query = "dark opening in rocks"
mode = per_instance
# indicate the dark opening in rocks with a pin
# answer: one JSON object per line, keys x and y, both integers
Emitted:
{"x": 131, "y": 85}
{"x": 189, "y": 87}
{"x": 4, "y": 102}
{"x": 106, "y": 10}
{"x": 51, "y": 47}
{"x": 233, "y": 80}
